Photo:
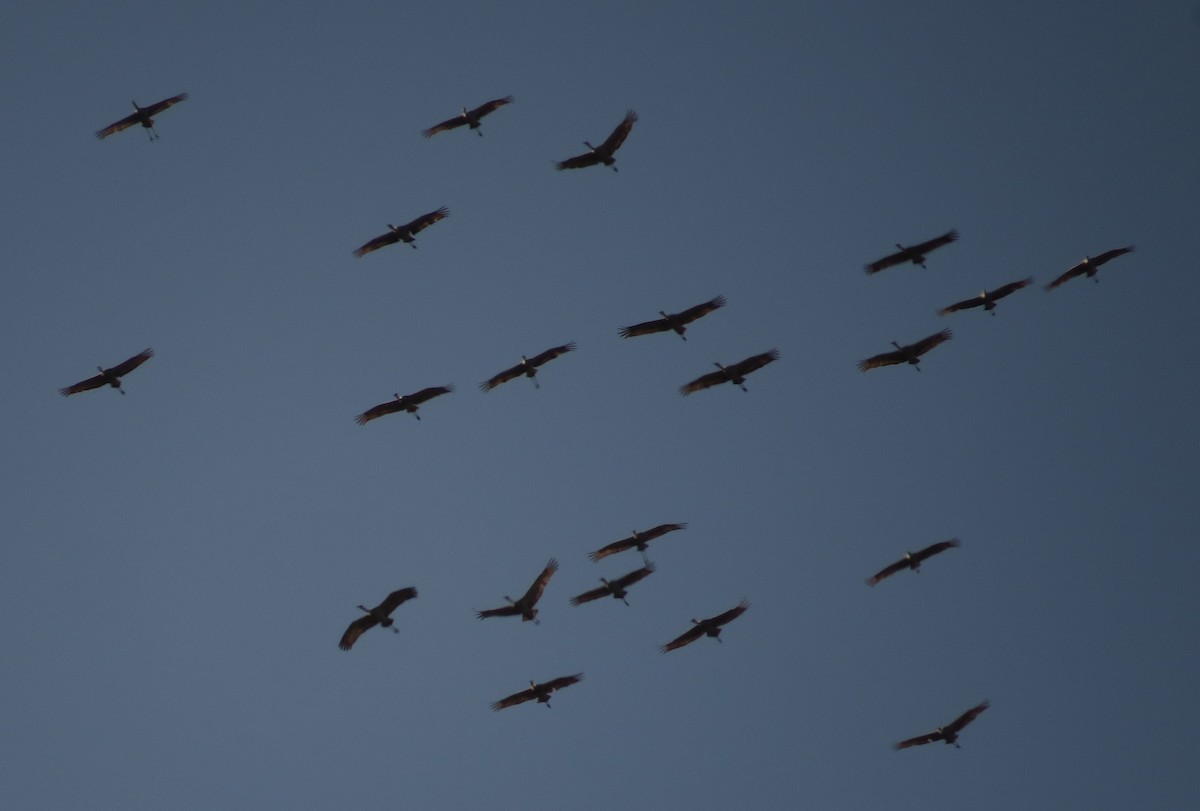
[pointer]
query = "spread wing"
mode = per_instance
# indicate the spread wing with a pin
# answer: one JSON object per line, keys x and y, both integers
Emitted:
{"x": 613, "y": 548}
{"x": 967, "y": 717}
{"x": 646, "y": 328}
{"x": 613, "y": 142}
{"x": 935, "y": 549}
{"x": 935, "y": 243}
{"x": 700, "y": 310}
{"x": 448, "y": 124}
{"x": 535, "y": 591}
{"x": 357, "y": 629}
{"x": 730, "y": 615}
{"x": 503, "y": 377}
{"x": 686, "y": 638}
{"x": 393, "y": 600}
{"x": 561, "y": 682}
{"x": 516, "y": 698}
{"x": 136, "y": 118}
{"x": 504, "y": 611}
{"x": 490, "y": 107}
{"x": 704, "y": 382}
{"x": 588, "y": 596}
{"x": 381, "y": 410}
{"x": 551, "y": 354}
{"x": 921, "y": 739}
{"x": 423, "y": 395}
{"x": 907, "y": 254}
{"x": 925, "y": 344}
{"x": 426, "y": 220}
{"x": 627, "y": 580}
{"x": 126, "y": 366}
{"x": 887, "y": 571}
{"x": 965, "y": 304}
{"x": 93, "y": 382}
{"x": 754, "y": 362}
{"x": 383, "y": 240}
{"x": 1097, "y": 261}
{"x": 158, "y": 106}
{"x": 579, "y": 161}
{"x": 661, "y": 529}
{"x": 1009, "y": 289}
{"x": 883, "y": 359}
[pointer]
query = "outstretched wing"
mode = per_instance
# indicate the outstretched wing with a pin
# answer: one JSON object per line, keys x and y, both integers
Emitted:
{"x": 448, "y": 124}
{"x": 730, "y": 615}
{"x": 124, "y": 124}
{"x": 686, "y": 638}
{"x": 704, "y": 382}
{"x": 965, "y": 304}
{"x": 613, "y": 142}
{"x": 551, "y": 354}
{"x": 426, "y": 220}
{"x": 920, "y": 739}
{"x": 887, "y": 571}
{"x": 503, "y": 377}
{"x": 158, "y": 106}
{"x": 661, "y": 529}
{"x": 397, "y": 597}
{"x": 588, "y": 596}
{"x": 750, "y": 364}
{"x": 357, "y": 629}
{"x": 1009, "y": 289}
{"x": 700, "y": 310}
{"x": 925, "y": 344}
{"x": 967, "y": 717}
{"x": 1097, "y": 261}
{"x": 383, "y": 240}
{"x": 646, "y": 328}
{"x": 612, "y": 549}
{"x": 504, "y": 611}
{"x": 490, "y": 107}
{"x": 935, "y": 243}
{"x": 381, "y": 410}
{"x": 579, "y": 161}
{"x": 429, "y": 393}
{"x": 627, "y": 580}
{"x": 516, "y": 698}
{"x": 126, "y": 366}
{"x": 94, "y": 382}
{"x": 561, "y": 682}
{"x": 535, "y": 591}
{"x": 907, "y": 254}
{"x": 882, "y": 359}
{"x": 934, "y": 549}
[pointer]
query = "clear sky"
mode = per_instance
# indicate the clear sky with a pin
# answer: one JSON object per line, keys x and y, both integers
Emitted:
{"x": 180, "y": 562}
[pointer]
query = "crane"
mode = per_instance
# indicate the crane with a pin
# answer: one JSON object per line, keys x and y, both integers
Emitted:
{"x": 143, "y": 116}
{"x": 706, "y": 627}
{"x": 539, "y": 691}
{"x": 906, "y": 354}
{"x": 637, "y": 540}
{"x": 525, "y": 605}
{"x": 616, "y": 588}
{"x": 735, "y": 373}
{"x": 913, "y": 560}
{"x": 914, "y": 254}
{"x": 409, "y": 402}
{"x": 674, "y": 321}
{"x": 987, "y": 298}
{"x": 468, "y": 117}
{"x": 111, "y": 377}
{"x": 403, "y": 233}
{"x": 603, "y": 153}
{"x": 948, "y": 733}
{"x": 379, "y": 615}
{"x": 1089, "y": 266}
{"x": 527, "y": 367}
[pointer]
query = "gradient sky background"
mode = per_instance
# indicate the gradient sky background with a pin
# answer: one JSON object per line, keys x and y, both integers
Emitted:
{"x": 180, "y": 562}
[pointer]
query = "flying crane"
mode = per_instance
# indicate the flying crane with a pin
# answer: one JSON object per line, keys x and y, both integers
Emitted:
{"x": 409, "y": 402}
{"x": 379, "y": 615}
{"x": 603, "y": 153}
{"x": 403, "y": 233}
{"x": 674, "y": 321}
{"x": 143, "y": 116}
{"x": 525, "y": 605}
{"x": 110, "y": 377}
{"x": 468, "y": 117}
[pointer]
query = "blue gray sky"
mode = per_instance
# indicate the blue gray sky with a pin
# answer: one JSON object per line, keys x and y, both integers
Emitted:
{"x": 180, "y": 562}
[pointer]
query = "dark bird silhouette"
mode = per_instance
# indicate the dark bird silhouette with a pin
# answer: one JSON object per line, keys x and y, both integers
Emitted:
{"x": 674, "y": 321}
{"x": 948, "y": 733}
{"x": 539, "y": 691}
{"x": 468, "y": 117}
{"x": 1089, "y": 266}
{"x": 709, "y": 627}
{"x": 906, "y": 354}
{"x": 409, "y": 402}
{"x": 527, "y": 367}
{"x": 141, "y": 115}
{"x": 603, "y": 153}
{"x": 637, "y": 540}
{"x": 379, "y": 615}
{"x": 735, "y": 374}
{"x": 616, "y": 588}
{"x": 525, "y": 605}
{"x": 914, "y": 254}
{"x": 913, "y": 560}
{"x": 110, "y": 377}
{"x": 987, "y": 298}
{"x": 403, "y": 233}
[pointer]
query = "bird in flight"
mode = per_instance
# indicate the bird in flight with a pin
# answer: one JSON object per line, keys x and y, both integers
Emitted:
{"x": 110, "y": 377}
{"x": 141, "y": 115}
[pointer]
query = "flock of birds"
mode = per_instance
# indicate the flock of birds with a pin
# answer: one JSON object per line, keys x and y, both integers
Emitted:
{"x": 526, "y": 607}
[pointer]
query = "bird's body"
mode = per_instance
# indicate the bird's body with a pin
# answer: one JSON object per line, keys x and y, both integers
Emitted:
{"x": 526, "y": 606}
{"x": 948, "y": 733}
{"x": 914, "y": 254}
{"x": 409, "y": 402}
{"x": 527, "y": 367}
{"x": 735, "y": 374}
{"x": 674, "y": 321}
{"x": 403, "y": 233}
{"x": 987, "y": 298}
{"x": 910, "y": 354}
{"x": 109, "y": 377}
{"x": 706, "y": 627}
{"x": 541, "y": 692}
{"x": 1089, "y": 266}
{"x": 913, "y": 560}
{"x": 636, "y": 540}
{"x": 605, "y": 152}
{"x": 468, "y": 117}
{"x": 379, "y": 615}
{"x": 143, "y": 116}
{"x": 615, "y": 588}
